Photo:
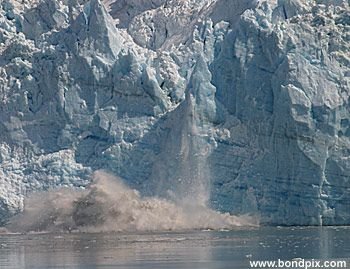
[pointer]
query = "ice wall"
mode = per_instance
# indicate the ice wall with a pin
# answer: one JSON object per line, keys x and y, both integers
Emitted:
{"x": 243, "y": 105}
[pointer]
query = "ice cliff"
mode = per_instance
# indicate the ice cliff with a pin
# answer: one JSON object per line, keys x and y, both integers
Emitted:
{"x": 244, "y": 103}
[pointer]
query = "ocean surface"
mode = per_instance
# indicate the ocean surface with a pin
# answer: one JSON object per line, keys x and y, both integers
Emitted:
{"x": 193, "y": 249}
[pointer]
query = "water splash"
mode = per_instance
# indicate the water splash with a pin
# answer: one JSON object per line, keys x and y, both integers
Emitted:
{"x": 109, "y": 205}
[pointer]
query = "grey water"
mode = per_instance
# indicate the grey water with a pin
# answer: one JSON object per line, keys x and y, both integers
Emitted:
{"x": 195, "y": 249}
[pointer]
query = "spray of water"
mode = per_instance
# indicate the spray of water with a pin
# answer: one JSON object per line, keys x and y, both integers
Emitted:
{"x": 109, "y": 205}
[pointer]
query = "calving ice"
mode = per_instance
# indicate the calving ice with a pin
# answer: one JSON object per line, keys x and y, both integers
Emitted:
{"x": 238, "y": 106}
{"x": 107, "y": 205}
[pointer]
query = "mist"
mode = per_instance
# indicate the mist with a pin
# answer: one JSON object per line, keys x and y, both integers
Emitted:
{"x": 107, "y": 204}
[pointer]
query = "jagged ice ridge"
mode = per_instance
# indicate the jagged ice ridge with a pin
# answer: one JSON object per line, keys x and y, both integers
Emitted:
{"x": 245, "y": 100}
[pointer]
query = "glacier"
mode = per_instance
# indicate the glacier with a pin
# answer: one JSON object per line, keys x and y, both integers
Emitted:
{"x": 242, "y": 105}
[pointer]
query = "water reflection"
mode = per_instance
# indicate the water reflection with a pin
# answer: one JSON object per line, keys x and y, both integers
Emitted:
{"x": 192, "y": 250}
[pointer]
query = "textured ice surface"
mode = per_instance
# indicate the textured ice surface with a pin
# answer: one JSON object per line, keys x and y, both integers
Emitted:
{"x": 245, "y": 100}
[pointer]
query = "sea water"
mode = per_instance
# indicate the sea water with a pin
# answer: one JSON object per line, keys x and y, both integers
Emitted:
{"x": 191, "y": 249}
